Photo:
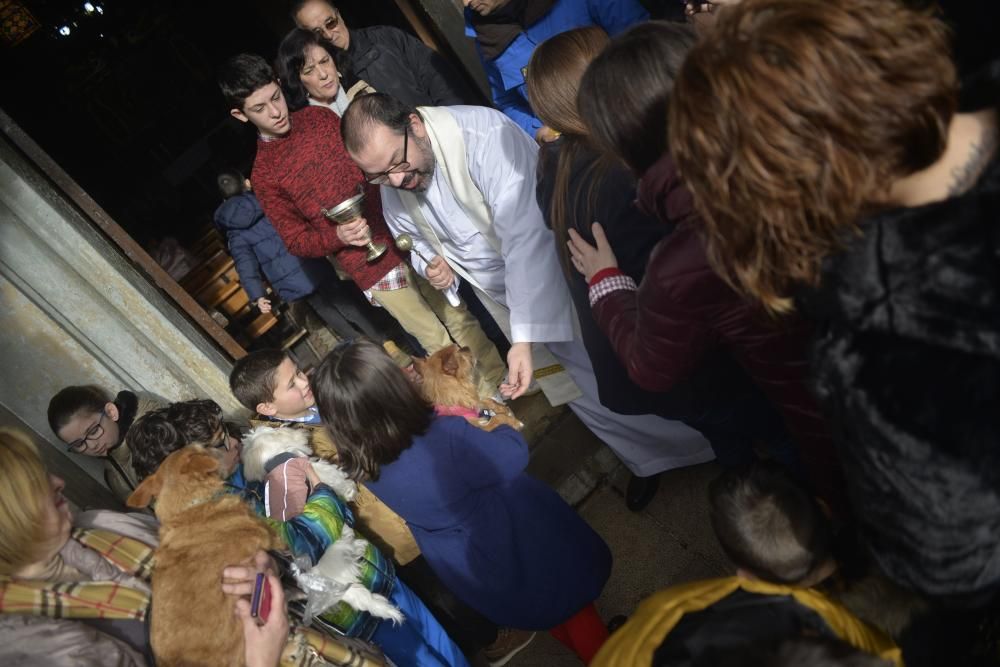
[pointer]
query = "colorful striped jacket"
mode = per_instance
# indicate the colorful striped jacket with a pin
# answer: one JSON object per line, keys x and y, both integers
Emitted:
{"x": 311, "y": 533}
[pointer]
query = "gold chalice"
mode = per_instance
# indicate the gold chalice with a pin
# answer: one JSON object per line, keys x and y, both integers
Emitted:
{"x": 349, "y": 210}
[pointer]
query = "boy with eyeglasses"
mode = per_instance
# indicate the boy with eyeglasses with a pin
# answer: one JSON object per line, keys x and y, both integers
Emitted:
{"x": 160, "y": 432}
{"x": 91, "y": 423}
{"x": 302, "y": 168}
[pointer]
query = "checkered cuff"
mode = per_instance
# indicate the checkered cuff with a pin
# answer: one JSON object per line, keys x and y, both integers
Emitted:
{"x": 606, "y": 286}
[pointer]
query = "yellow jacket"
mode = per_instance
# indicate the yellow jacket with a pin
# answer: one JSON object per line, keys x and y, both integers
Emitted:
{"x": 373, "y": 518}
{"x": 636, "y": 641}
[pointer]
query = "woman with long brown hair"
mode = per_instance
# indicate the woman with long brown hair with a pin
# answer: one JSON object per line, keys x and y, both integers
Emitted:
{"x": 686, "y": 321}
{"x": 822, "y": 143}
{"x": 504, "y": 543}
{"x": 575, "y": 185}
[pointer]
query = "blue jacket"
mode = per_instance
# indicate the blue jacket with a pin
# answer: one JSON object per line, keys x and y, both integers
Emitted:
{"x": 506, "y": 72}
{"x": 501, "y": 541}
{"x": 255, "y": 246}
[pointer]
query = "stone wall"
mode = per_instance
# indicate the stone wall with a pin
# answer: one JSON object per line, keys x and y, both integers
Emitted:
{"x": 74, "y": 310}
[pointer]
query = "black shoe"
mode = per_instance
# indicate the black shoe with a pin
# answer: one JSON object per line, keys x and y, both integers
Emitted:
{"x": 616, "y": 622}
{"x": 640, "y": 491}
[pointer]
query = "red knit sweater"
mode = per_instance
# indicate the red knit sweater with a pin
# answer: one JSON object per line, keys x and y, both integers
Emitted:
{"x": 308, "y": 169}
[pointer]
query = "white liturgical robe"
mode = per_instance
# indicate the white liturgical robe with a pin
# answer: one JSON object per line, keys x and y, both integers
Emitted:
{"x": 524, "y": 276}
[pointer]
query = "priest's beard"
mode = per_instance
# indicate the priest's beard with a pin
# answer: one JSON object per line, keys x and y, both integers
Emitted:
{"x": 418, "y": 180}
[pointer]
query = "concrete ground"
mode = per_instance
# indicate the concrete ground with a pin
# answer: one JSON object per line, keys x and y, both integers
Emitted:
{"x": 669, "y": 542}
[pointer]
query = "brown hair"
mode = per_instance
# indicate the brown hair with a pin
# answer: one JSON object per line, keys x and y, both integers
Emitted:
{"x": 624, "y": 94}
{"x": 768, "y": 525}
{"x": 24, "y": 488}
{"x": 71, "y": 401}
{"x": 790, "y": 117}
{"x": 553, "y": 78}
{"x": 159, "y": 433}
{"x": 254, "y": 377}
{"x": 371, "y": 409}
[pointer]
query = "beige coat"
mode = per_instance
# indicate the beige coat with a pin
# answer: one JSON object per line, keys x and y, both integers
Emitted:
{"x": 122, "y": 487}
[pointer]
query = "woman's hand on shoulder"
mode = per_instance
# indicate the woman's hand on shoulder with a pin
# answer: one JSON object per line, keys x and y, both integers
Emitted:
{"x": 587, "y": 259}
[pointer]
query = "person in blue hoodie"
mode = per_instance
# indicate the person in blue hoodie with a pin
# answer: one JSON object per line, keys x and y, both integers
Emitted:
{"x": 256, "y": 248}
{"x": 507, "y": 31}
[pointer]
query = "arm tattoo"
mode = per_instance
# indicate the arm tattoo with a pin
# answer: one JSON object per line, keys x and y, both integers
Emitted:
{"x": 980, "y": 154}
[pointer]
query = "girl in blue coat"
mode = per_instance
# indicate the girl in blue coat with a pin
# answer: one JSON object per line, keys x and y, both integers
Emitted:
{"x": 504, "y": 543}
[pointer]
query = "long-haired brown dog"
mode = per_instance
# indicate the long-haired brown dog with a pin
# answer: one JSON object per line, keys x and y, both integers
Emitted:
{"x": 447, "y": 379}
{"x": 202, "y": 530}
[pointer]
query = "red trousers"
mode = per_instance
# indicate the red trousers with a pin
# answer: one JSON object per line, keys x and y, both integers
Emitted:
{"x": 584, "y": 633}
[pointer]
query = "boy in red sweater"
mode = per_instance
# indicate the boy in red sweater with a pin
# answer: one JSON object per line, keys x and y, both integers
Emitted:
{"x": 302, "y": 167}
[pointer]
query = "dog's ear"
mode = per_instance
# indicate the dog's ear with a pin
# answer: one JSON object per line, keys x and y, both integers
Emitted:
{"x": 200, "y": 461}
{"x": 419, "y": 366}
{"x": 449, "y": 360}
{"x": 145, "y": 492}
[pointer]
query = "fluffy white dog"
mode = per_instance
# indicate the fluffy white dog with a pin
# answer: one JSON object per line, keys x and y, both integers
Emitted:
{"x": 266, "y": 450}
{"x": 278, "y": 456}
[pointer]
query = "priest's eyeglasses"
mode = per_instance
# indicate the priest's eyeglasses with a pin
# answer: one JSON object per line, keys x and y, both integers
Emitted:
{"x": 403, "y": 165}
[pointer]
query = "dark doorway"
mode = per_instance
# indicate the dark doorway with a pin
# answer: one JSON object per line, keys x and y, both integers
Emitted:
{"x": 122, "y": 95}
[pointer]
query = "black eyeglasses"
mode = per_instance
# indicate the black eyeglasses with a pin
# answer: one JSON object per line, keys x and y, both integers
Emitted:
{"x": 222, "y": 442}
{"x": 403, "y": 165}
{"x": 93, "y": 433}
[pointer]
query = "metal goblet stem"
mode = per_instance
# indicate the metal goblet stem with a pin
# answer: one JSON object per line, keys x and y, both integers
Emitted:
{"x": 349, "y": 211}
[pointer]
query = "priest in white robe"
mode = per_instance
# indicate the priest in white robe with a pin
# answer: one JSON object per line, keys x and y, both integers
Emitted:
{"x": 461, "y": 182}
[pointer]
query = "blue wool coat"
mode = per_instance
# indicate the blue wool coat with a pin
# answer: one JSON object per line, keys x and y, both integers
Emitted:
{"x": 506, "y": 72}
{"x": 256, "y": 246}
{"x": 506, "y": 544}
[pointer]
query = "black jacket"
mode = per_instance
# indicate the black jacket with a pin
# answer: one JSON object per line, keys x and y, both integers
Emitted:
{"x": 719, "y": 399}
{"x": 400, "y": 65}
{"x": 632, "y": 235}
{"x": 908, "y": 365}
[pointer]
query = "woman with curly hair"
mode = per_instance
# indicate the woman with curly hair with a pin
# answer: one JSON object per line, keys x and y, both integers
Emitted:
{"x": 834, "y": 172}
{"x": 653, "y": 296}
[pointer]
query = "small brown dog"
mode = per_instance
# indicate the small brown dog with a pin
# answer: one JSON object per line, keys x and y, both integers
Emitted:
{"x": 447, "y": 379}
{"x": 202, "y": 530}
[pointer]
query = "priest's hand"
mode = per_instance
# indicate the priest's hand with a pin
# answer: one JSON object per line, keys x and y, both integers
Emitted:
{"x": 354, "y": 233}
{"x": 439, "y": 274}
{"x": 587, "y": 259}
{"x": 520, "y": 368}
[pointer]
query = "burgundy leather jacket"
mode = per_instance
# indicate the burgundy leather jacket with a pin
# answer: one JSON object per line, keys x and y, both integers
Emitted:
{"x": 683, "y": 310}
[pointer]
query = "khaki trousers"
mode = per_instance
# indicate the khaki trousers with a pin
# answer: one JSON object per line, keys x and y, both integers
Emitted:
{"x": 426, "y": 313}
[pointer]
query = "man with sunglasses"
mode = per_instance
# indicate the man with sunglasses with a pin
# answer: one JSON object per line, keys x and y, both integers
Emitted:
{"x": 90, "y": 423}
{"x": 387, "y": 58}
{"x": 302, "y": 168}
